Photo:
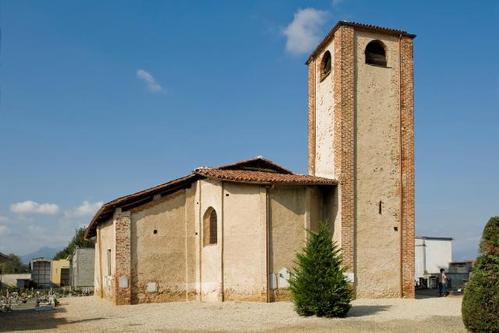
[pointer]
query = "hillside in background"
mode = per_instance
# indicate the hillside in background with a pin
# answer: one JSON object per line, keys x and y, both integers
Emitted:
{"x": 46, "y": 252}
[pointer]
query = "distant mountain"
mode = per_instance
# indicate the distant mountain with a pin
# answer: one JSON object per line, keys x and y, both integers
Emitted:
{"x": 46, "y": 252}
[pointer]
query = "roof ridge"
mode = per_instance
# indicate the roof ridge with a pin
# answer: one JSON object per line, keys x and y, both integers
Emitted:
{"x": 253, "y": 160}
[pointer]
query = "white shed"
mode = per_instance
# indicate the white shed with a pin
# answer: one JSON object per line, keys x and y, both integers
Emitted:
{"x": 432, "y": 254}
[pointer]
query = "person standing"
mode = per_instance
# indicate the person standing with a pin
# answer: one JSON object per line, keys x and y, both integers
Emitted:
{"x": 442, "y": 283}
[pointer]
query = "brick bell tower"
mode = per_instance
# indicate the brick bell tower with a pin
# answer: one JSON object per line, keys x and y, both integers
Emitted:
{"x": 361, "y": 132}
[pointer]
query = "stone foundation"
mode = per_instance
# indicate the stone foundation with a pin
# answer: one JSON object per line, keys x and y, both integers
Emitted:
{"x": 233, "y": 295}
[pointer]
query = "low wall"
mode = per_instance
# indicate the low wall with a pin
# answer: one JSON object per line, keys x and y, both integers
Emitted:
{"x": 10, "y": 280}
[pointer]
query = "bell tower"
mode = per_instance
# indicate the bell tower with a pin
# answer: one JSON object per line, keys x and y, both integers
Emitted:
{"x": 361, "y": 132}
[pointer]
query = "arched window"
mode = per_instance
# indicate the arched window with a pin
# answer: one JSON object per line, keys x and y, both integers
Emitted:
{"x": 325, "y": 65}
{"x": 210, "y": 227}
{"x": 375, "y": 53}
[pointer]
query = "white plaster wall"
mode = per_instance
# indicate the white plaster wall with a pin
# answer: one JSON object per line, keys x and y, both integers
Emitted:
{"x": 191, "y": 236}
{"x": 378, "y": 170}
{"x": 438, "y": 255}
{"x": 210, "y": 255}
{"x": 10, "y": 280}
{"x": 244, "y": 252}
{"x": 420, "y": 258}
{"x": 106, "y": 240}
{"x": 324, "y": 122}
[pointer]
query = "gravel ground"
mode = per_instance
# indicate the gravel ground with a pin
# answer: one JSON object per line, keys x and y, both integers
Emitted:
{"x": 91, "y": 314}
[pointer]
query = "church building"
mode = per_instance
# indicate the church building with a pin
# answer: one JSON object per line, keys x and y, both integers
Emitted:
{"x": 232, "y": 232}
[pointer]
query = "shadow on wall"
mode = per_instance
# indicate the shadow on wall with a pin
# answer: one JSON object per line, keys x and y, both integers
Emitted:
{"x": 366, "y": 310}
{"x": 291, "y": 198}
{"x": 31, "y": 320}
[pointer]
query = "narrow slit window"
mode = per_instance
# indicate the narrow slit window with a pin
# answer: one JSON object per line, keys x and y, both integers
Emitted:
{"x": 375, "y": 53}
{"x": 108, "y": 262}
{"x": 210, "y": 227}
{"x": 213, "y": 227}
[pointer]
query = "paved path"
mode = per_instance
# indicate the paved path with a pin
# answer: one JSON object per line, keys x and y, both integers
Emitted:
{"x": 90, "y": 314}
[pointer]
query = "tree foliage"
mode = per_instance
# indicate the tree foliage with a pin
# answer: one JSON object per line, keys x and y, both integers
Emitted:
{"x": 489, "y": 244}
{"x": 13, "y": 265}
{"x": 480, "y": 308}
{"x": 77, "y": 241}
{"x": 317, "y": 284}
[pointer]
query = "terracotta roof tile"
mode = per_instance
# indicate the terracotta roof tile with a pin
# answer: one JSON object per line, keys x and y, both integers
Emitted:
{"x": 260, "y": 177}
{"x": 254, "y": 171}
{"x": 107, "y": 209}
{"x": 357, "y": 26}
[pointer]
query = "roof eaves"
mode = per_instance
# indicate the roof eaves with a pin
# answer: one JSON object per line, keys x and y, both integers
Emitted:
{"x": 358, "y": 26}
{"x": 216, "y": 175}
{"x": 136, "y": 198}
{"x": 435, "y": 238}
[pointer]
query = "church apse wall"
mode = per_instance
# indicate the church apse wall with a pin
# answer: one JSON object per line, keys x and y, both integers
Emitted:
{"x": 210, "y": 260}
{"x": 244, "y": 242}
{"x": 288, "y": 224}
{"x": 158, "y": 242}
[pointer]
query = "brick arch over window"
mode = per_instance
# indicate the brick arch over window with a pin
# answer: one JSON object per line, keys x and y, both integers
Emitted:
{"x": 325, "y": 65}
{"x": 210, "y": 227}
{"x": 376, "y": 53}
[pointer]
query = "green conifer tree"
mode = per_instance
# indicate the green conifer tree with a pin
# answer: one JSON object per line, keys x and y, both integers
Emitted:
{"x": 317, "y": 284}
{"x": 480, "y": 307}
{"x": 78, "y": 240}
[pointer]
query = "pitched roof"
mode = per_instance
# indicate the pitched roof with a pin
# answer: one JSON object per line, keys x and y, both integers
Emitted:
{"x": 137, "y": 199}
{"x": 357, "y": 26}
{"x": 258, "y": 163}
{"x": 253, "y": 171}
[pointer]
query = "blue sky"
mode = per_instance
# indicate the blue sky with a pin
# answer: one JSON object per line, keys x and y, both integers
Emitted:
{"x": 103, "y": 98}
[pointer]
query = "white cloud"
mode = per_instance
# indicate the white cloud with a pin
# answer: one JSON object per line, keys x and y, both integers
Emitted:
{"x": 32, "y": 207}
{"x": 3, "y": 218}
{"x": 336, "y": 2}
{"x": 303, "y": 33}
{"x": 86, "y": 209}
{"x": 3, "y": 229}
{"x": 147, "y": 77}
